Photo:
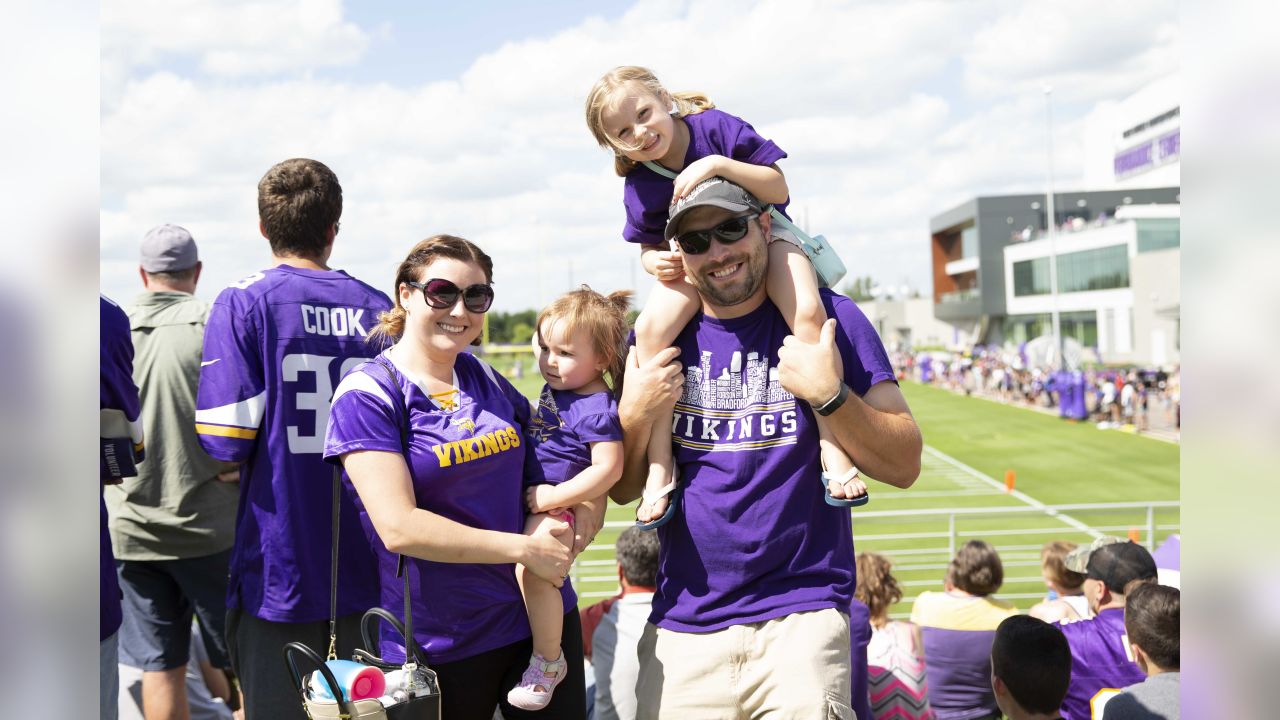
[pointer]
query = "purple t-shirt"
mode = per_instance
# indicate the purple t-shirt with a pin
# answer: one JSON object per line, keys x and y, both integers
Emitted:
{"x": 275, "y": 346}
{"x": 116, "y": 391}
{"x": 468, "y": 464}
{"x": 753, "y": 539}
{"x": 563, "y": 429}
{"x": 1099, "y": 659}
{"x": 957, "y": 632}
{"x": 647, "y": 195}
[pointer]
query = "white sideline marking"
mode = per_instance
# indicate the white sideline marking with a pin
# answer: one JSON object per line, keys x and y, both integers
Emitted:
{"x": 1016, "y": 493}
{"x": 977, "y": 490}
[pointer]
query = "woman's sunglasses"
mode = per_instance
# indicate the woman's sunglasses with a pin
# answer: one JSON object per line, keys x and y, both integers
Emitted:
{"x": 441, "y": 294}
{"x": 696, "y": 242}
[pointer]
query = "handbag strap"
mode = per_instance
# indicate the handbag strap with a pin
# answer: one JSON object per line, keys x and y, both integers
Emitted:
{"x": 777, "y": 216}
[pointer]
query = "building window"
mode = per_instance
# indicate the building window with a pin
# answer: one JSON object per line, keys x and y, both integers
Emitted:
{"x": 969, "y": 242}
{"x": 1031, "y": 277}
{"x": 1100, "y": 269}
{"x": 1158, "y": 234}
{"x": 1082, "y": 326}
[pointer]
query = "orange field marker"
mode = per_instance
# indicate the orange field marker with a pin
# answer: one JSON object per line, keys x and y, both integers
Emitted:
{"x": 1009, "y": 478}
{"x": 1135, "y": 534}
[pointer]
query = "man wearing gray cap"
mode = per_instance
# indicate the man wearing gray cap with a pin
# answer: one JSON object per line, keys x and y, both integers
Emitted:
{"x": 1101, "y": 660}
{"x": 172, "y": 526}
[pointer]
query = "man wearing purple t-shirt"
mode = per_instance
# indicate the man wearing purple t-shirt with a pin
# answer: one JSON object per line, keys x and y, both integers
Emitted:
{"x": 1101, "y": 659}
{"x": 757, "y": 572}
{"x": 275, "y": 346}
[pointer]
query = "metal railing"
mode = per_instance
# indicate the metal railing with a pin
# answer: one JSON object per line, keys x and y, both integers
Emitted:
{"x": 914, "y": 540}
{"x": 957, "y": 296}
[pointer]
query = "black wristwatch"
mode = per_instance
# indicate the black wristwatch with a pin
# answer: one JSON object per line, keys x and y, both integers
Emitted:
{"x": 834, "y": 403}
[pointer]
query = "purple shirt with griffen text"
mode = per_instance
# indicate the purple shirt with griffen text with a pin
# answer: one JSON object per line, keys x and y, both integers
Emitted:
{"x": 468, "y": 463}
{"x": 563, "y": 428}
{"x": 275, "y": 346}
{"x": 647, "y": 195}
{"x": 753, "y": 539}
{"x": 1099, "y": 660}
{"x": 116, "y": 391}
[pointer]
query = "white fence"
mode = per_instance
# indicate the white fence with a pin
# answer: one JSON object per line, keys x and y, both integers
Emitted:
{"x": 922, "y": 542}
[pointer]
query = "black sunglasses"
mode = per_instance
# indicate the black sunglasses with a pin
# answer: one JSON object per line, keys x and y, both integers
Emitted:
{"x": 441, "y": 294}
{"x": 696, "y": 242}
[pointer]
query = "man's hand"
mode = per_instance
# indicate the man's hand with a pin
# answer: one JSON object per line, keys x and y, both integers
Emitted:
{"x": 694, "y": 173}
{"x": 588, "y": 518}
{"x": 669, "y": 267}
{"x": 811, "y": 371}
{"x": 229, "y": 473}
{"x": 652, "y": 387}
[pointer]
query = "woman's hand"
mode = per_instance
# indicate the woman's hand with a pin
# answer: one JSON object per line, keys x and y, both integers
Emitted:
{"x": 588, "y": 518}
{"x": 544, "y": 553}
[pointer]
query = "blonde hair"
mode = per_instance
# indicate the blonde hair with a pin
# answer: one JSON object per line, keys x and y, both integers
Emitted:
{"x": 876, "y": 588}
{"x": 602, "y": 97}
{"x": 391, "y": 322}
{"x": 1052, "y": 561}
{"x": 604, "y": 318}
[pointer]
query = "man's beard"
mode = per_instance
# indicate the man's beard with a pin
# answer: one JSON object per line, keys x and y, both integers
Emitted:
{"x": 745, "y": 285}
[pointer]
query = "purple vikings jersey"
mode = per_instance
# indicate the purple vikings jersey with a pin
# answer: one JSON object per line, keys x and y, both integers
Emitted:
{"x": 1099, "y": 660}
{"x": 118, "y": 396}
{"x": 564, "y": 427}
{"x": 647, "y": 195}
{"x": 275, "y": 346}
{"x": 468, "y": 461}
{"x": 957, "y": 632}
{"x": 753, "y": 539}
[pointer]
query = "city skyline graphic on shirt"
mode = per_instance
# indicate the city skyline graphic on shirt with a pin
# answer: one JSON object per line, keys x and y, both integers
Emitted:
{"x": 744, "y": 407}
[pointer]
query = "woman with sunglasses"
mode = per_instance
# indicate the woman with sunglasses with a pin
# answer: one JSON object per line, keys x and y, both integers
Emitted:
{"x": 631, "y": 114}
{"x": 444, "y": 487}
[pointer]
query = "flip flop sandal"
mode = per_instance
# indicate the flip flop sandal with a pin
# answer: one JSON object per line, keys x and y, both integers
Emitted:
{"x": 647, "y": 497}
{"x": 859, "y": 501}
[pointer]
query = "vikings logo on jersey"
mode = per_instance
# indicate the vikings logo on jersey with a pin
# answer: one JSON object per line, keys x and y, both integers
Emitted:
{"x": 466, "y": 424}
{"x": 547, "y": 419}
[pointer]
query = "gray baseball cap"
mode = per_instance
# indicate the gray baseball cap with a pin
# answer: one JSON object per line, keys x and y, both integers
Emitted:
{"x": 714, "y": 192}
{"x": 168, "y": 248}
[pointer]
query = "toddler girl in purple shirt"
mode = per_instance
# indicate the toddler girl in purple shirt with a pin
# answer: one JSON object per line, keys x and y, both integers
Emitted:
{"x": 630, "y": 113}
{"x": 577, "y": 439}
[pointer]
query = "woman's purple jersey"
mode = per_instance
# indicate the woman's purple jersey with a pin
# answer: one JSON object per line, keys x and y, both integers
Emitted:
{"x": 563, "y": 429}
{"x": 468, "y": 464}
{"x": 647, "y": 195}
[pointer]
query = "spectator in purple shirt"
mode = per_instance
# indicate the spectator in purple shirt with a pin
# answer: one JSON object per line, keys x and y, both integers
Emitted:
{"x": 756, "y": 571}
{"x": 1101, "y": 658}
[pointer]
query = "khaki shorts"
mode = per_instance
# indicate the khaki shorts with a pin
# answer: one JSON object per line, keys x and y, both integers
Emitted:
{"x": 795, "y": 666}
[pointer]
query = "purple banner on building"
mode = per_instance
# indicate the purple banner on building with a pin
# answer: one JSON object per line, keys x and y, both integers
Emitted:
{"x": 1147, "y": 155}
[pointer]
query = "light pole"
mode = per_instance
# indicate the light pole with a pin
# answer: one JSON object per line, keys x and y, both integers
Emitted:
{"x": 1051, "y": 226}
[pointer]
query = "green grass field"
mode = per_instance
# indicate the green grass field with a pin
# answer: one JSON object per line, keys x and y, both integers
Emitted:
{"x": 970, "y": 446}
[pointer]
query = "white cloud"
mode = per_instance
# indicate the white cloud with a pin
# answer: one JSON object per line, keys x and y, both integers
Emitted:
{"x": 891, "y": 112}
{"x": 226, "y": 39}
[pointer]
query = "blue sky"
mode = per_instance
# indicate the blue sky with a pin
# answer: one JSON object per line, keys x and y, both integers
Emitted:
{"x": 466, "y": 118}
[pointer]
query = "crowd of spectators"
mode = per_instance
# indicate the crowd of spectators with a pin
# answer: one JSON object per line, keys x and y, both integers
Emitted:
{"x": 1113, "y": 397}
{"x": 1103, "y": 645}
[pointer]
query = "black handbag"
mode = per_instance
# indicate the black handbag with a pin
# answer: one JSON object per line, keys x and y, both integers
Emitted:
{"x": 420, "y": 699}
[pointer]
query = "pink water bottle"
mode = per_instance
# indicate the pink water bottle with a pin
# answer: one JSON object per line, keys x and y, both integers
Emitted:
{"x": 356, "y": 681}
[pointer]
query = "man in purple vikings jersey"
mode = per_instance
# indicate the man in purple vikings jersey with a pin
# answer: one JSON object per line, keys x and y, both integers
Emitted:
{"x": 121, "y": 421}
{"x": 1101, "y": 658}
{"x": 757, "y": 571}
{"x": 275, "y": 346}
